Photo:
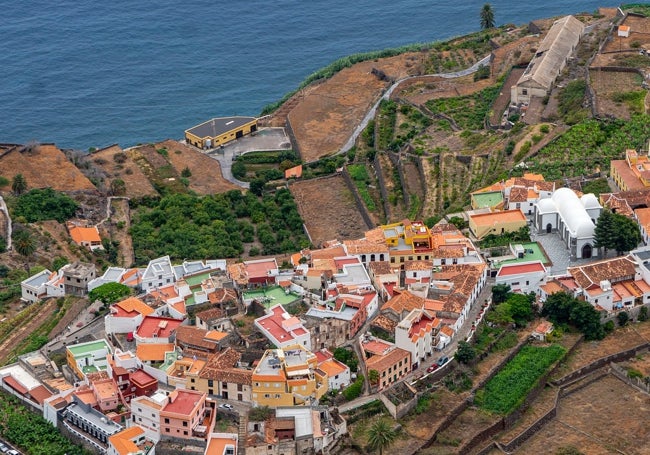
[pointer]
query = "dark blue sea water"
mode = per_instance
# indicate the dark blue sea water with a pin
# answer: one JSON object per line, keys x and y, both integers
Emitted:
{"x": 85, "y": 73}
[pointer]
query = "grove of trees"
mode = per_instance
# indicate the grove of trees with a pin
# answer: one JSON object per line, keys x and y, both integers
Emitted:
{"x": 217, "y": 226}
{"x": 616, "y": 232}
{"x": 45, "y": 204}
{"x": 562, "y": 308}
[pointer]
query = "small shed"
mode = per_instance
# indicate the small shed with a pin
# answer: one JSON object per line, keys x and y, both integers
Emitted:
{"x": 542, "y": 330}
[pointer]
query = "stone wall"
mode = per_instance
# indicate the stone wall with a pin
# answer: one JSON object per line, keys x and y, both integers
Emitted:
{"x": 361, "y": 207}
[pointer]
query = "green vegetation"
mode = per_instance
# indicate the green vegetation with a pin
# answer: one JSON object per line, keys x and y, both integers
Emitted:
{"x": 347, "y": 357}
{"x": 517, "y": 309}
{"x": 570, "y": 101}
{"x": 19, "y": 184}
{"x": 638, "y": 8}
{"x": 109, "y": 293}
{"x": 45, "y": 204}
{"x": 563, "y": 309}
{"x": 487, "y": 16}
{"x": 361, "y": 180}
{"x": 616, "y": 232}
{"x": 217, "y": 226}
{"x": 354, "y": 390}
{"x": 590, "y": 145}
{"x": 465, "y": 353}
{"x": 468, "y": 111}
{"x": 381, "y": 435}
{"x": 509, "y": 388}
{"x": 596, "y": 186}
{"x": 31, "y": 432}
{"x": 635, "y": 100}
{"x": 491, "y": 240}
{"x": 386, "y": 118}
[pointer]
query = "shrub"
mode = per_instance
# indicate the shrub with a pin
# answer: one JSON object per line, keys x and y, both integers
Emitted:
{"x": 544, "y": 129}
{"x": 354, "y": 390}
{"x": 45, "y": 204}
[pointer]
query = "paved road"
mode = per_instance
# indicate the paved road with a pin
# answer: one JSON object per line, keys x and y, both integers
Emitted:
{"x": 266, "y": 139}
{"x": 465, "y": 331}
{"x": 371, "y": 113}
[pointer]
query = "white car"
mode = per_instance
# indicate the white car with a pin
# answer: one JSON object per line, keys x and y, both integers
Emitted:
{"x": 226, "y": 406}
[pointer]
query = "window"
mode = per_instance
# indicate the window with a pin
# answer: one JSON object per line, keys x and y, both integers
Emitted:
{"x": 185, "y": 433}
{"x": 153, "y": 415}
{"x": 184, "y": 424}
{"x": 192, "y": 381}
{"x": 266, "y": 395}
{"x": 524, "y": 92}
{"x": 167, "y": 430}
{"x": 166, "y": 420}
{"x": 210, "y": 383}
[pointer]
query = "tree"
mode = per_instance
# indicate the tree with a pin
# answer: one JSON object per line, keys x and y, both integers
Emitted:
{"x": 487, "y": 16}
{"x": 558, "y": 307}
{"x": 604, "y": 231}
{"x": 19, "y": 184}
{"x": 109, "y": 293}
{"x": 373, "y": 376}
{"x": 623, "y": 318}
{"x": 381, "y": 435}
{"x": 521, "y": 308}
{"x": 627, "y": 235}
{"x": 465, "y": 353}
{"x": 24, "y": 243}
{"x": 643, "y": 314}
{"x": 500, "y": 293}
{"x": 257, "y": 186}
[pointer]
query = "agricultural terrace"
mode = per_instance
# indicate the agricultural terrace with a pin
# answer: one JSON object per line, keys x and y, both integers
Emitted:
{"x": 589, "y": 146}
{"x": 509, "y": 388}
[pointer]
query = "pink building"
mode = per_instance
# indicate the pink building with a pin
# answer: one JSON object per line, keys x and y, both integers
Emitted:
{"x": 183, "y": 415}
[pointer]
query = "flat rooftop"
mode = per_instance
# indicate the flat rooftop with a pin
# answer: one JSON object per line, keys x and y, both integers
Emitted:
{"x": 532, "y": 252}
{"x": 219, "y": 125}
{"x": 87, "y": 348}
{"x": 488, "y": 199}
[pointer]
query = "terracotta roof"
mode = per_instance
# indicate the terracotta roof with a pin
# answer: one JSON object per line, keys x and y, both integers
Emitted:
{"x": 223, "y": 295}
{"x": 384, "y": 323}
{"x": 380, "y": 268}
{"x": 612, "y": 270}
{"x": 643, "y": 215}
{"x": 133, "y": 304}
{"x": 403, "y": 301}
{"x": 332, "y": 367}
{"x": 295, "y": 172}
{"x": 518, "y": 194}
{"x": 552, "y": 287}
{"x": 448, "y": 331}
{"x": 40, "y": 394}
{"x": 518, "y": 269}
{"x": 507, "y": 216}
{"x": 84, "y": 234}
{"x": 160, "y": 327}
{"x": 627, "y": 175}
{"x": 238, "y": 273}
{"x": 123, "y": 441}
{"x": 383, "y": 362}
{"x": 328, "y": 253}
{"x": 14, "y": 384}
{"x": 410, "y": 266}
{"x": 195, "y": 337}
{"x": 211, "y": 315}
{"x": 544, "y": 327}
{"x": 153, "y": 352}
{"x": 182, "y": 402}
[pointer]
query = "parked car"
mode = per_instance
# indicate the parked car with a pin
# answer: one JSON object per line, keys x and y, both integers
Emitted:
{"x": 432, "y": 368}
{"x": 442, "y": 360}
{"x": 226, "y": 406}
{"x": 13, "y": 452}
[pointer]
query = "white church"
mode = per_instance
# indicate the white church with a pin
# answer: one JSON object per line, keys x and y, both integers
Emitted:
{"x": 573, "y": 218}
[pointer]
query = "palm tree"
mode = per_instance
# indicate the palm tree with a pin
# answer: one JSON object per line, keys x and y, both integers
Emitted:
{"x": 381, "y": 435}
{"x": 487, "y": 17}
{"x": 19, "y": 184}
{"x": 24, "y": 244}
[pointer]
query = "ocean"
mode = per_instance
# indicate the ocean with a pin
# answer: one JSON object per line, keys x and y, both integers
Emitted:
{"x": 86, "y": 73}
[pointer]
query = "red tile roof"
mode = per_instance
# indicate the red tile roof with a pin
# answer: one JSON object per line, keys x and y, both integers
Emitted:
{"x": 183, "y": 401}
{"x": 518, "y": 269}
{"x": 160, "y": 327}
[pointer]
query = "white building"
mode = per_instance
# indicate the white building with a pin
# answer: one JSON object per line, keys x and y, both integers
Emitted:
{"x": 417, "y": 333}
{"x": 282, "y": 329}
{"x": 145, "y": 413}
{"x": 159, "y": 273}
{"x": 523, "y": 277}
{"x": 42, "y": 285}
{"x": 573, "y": 218}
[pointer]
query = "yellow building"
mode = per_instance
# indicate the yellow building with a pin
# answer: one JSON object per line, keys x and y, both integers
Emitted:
{"x": 496, "y": 223}
{"x": 288, "y": 377}
{"x": 219, "y": 131}
{"x": 632, "y": 173}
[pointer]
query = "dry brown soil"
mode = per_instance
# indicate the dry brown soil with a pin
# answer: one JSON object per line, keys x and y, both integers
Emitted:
{"x": 327, "y": 114}
{"x": 137, "y": 185}
{"x": 606, "y": 84}
{"x": 328, "y": 208}
{"x": 206, "y": 175}
{"x": 120, "y": 212}
{"x": 605, "y": 417}
{"x": 43, "y": 166}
